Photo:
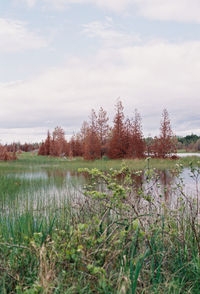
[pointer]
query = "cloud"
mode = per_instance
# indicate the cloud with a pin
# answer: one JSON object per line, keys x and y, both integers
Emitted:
{"x": 148, "y": 76}
{"x": 30, "y": 3}
{"x": 15, "y": 36}
{"x": 170, "y": 10}
{"x": 9, "y": 135}
{"x": 105, "y": 32}
{"x": 115, "y": 5}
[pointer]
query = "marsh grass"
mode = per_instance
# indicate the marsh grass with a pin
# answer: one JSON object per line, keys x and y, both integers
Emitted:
{"x": 31, "y": 162}
{"x": 110, "y": 237}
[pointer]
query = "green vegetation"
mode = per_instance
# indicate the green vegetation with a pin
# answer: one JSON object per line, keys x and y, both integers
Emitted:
{"x": 190, "y": 143}
{"x": 186, "y": 151}
{"x": 29, "y": 161}
{"x": 188, "y": 139}
{"x": 110, "y": 234}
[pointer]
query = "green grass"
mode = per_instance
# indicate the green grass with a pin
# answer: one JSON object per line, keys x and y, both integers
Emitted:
{"x": 185, "y": 151}
{"x": 31, "y": 162}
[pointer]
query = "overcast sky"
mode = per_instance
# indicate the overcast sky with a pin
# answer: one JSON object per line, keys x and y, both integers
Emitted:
{"x": 61, "y": 58}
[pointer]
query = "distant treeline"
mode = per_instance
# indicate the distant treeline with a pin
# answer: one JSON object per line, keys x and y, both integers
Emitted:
{"x": 189, "y": 143}
{"x": 124, "y": 139}
{"x": 26, "y": 147}
{"x": 9, "y": 151}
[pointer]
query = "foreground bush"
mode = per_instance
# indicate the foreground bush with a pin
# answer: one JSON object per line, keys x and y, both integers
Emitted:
{"x": 121, "y": 237}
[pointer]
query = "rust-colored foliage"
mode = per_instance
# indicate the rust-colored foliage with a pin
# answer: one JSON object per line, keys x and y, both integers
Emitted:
{"x": 164, "y": 145}
{"x": 135, "y": 143}
{"x": 58, "y": 142}
{"x": 124, "y": 140}
{"x": 83, "y": 134}
{"x": 138, "y": 139}
{"x": 92, "y": 146}
{"x": 6, "y": 155}
{"x": 77, "y": 142}
{"x": 26, "y": 147}
{"x": 72, "y": 148}
{"x": 55, "y": 146}
{"x": 116, "y": 143}
{"x": 75, "y": 146}
{"x": 103, "y": 129}
{"x": 42, "y": 150}
{"x": 47, "y": 144}
{"x": 45, "y": 147}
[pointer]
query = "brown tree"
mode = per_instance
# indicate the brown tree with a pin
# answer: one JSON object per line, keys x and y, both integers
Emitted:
{"x": 6, "y": 155}
{"x": 47, "y": 144}
{"x": 92, "y": 146}
{"x": 134, "y": 141}
{"x": 45, "y": 147}
{"x": 139, "y": 145}
{"x": 42, "y": 150}
{"x": 103, "y": 129}
{"x": 165, "y": 145}
{"x": 55, "y": 146}
{"x": 83, "y": 134}
{"x": 128, "y": 138}
{"x": 75, "y": 146}
{"x": 116, "y": 143}
{"x": 59, "y": 144}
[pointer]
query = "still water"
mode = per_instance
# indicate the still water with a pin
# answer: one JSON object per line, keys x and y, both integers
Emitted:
{"x": 188, "y": 154}
{"x": 52, "y": 189}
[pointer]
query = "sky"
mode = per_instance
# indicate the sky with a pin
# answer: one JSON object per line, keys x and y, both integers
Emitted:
{"x": 61, "y": 58}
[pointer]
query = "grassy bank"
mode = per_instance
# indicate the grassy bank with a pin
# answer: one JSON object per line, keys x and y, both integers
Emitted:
{"x": 29, "y": 161}
{"x": 185, "y": 151}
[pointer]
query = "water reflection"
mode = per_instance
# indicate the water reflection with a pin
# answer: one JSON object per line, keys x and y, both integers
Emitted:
{"x": 54, "y": 187}
{"x": 167, "y": 181}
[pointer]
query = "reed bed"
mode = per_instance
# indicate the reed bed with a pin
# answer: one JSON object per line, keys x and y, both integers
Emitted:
{"x": 104, "y": 235}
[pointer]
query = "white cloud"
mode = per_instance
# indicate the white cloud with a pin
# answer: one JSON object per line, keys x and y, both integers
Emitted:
{"x": 110, "y": 37}
{"x": 176, "y": 10}
{"x": 147, "y": 76}
{"x": 15, "y": 36}
{"x": 116, "y": 5}
{"x": 30, "y": 3}
{"x": 9, "y": 135}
